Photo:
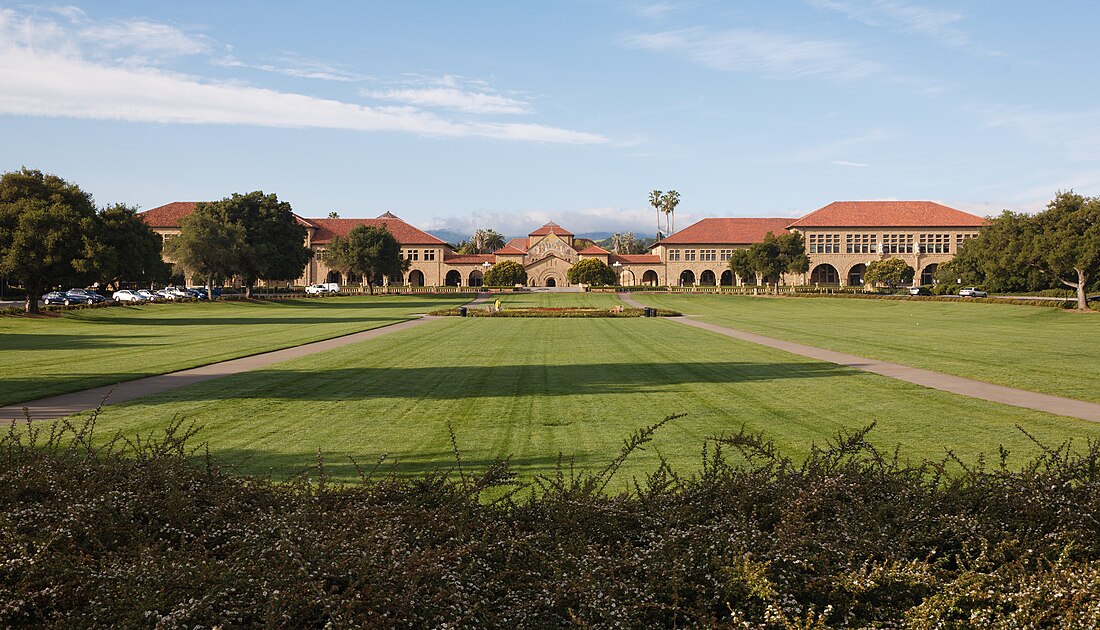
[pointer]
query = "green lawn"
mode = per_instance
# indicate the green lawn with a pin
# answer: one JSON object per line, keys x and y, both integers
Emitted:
{"x": 534, "y": 388}
{"x": 1034, "y": 348}
{"x": 88, "y": 348}
{"x": 562, "y": 300}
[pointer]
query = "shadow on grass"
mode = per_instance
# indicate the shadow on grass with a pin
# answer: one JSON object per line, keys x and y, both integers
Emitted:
{"x": 243, "y": 321}
{"x": 461, "y": 382}
{"x": 20, "y": 341}
{"x": 284, "y": 465}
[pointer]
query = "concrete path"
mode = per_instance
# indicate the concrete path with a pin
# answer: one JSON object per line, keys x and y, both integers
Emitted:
{"x": 76, "y": 402}
{"x": 926, "y": 378}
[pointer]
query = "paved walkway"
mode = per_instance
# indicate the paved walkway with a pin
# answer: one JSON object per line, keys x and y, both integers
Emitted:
{"x": 926, "y": 378}
{"x": 76, "y": 402}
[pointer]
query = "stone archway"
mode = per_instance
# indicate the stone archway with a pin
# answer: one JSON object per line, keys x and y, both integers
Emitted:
{"x": 453, "y": 279}
{"x": 707, "y": 278}
{"x": 825, "y": 274}
{"x": 650, "y": 278}
{"x": 687, "y": 278}
{"x": 855, "y": 275}
{"x": 551, "y": 282}
{"x": 727, "y": 278}
{"x": 333, "y": 277}
{"x": 626, "y": 278}
{"x": 928, "y": 274}
{"x": 476, "y": 278}
{"x": 416, "y": 278}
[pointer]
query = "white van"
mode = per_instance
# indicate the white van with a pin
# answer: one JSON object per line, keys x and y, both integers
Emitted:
{"x": 327, "y": 287}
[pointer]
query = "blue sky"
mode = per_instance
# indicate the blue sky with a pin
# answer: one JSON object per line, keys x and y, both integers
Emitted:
{"x": 508, "y": 114}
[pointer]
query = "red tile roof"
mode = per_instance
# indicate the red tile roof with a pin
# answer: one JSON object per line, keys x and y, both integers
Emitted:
{"x": 403, "y": 232}
{"x": 519, "y": 243}
{"x": 169, "y": 214}
{"x": 594, "y": 250}
{"x": 635, "y": 259}
{"x": 469, "y": 259}
{"x": 551, "y": 228}
{"x": 722, "y": 231}
{"x": 509, "y": 250}
{"x": 887, "y": 214}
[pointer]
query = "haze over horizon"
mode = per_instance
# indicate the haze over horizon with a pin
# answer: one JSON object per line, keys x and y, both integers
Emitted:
{"x": 505, "y": 115}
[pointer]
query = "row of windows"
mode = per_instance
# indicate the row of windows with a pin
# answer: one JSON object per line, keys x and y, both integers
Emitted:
{"x": 824, "y": 243}
{"x": 935, "y": 243}
{"x": 415, "y": 254}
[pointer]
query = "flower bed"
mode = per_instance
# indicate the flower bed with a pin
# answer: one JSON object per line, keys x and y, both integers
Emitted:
{"x": 551, "y": 311}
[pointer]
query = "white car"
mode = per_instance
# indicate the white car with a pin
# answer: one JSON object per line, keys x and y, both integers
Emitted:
{"x": 172, "y": 293}
{"x": 127, "y": 295}
{"x": 972, "y": 292}
{"x": 149, "y": 295}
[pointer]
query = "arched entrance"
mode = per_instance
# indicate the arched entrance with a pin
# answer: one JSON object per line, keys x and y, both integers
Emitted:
{"x": 687, "y": 278}
{"x": 354, "y": 278}
{"x": 626, "y": 278}
{"x": 333, "y": 277}
{"x": 824, "y": 274}
{"x": 726, "y": 279}
{"x": 928, "y": 275}
{"x": 476, "y": 278}
{"x": 416, "y": 278}
{"x": 453, "y": 278}
{"x": 550, "y": 282}
{"x": 748, "y": 281}
{"x": 707, "y": 278}
{"x": 855, "y": 275}
{"x": 650, "y": 278}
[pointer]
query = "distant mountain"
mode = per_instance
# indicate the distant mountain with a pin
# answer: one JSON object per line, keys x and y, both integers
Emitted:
{"x": 453, "y": 237}
{"x": 595, "y": 236}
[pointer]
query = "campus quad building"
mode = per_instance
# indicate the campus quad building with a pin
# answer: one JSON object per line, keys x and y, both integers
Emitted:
{"x": 841, "y": 239}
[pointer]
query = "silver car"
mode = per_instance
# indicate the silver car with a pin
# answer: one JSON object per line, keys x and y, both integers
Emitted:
{"x": 972, "y": 292}
{"x": 126, "y": 295}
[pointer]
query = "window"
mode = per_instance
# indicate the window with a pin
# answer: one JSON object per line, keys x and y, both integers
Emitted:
{"x": 429, "y": 254}
{"x": 824, "y": 243}
{"x": 860, "y": 244}
{"x": 726, "y": 254}
{"x": 708, "y": 255}
{"x": 897, "y": 244}
{"x": 689, "y": 255}
{"x": 412, "y": 254}
{"x": 674, "y": 254}
{"x": 935, "y": 243}
{"x": 962, "y": 238}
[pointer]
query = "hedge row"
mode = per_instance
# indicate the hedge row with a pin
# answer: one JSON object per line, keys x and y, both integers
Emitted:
{"x": 157, "y": 534}
{"x": 551, "y": 312}
{"x": 942, "y": 298}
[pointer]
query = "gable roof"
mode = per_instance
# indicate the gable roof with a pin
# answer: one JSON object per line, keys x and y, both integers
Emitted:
{"x": 551, "y": 228}
{"x": 520, "y": 244}
{"x": 509, "y": 250}
{"x": 469, "y": 259}
{"x": 719, "y": 231}
{"x": 636, "y": 259}
{"x": 403, "y": 232}
{"x": 169, "y": 214}
{"x": 594, "y": 250}
{"x": 887, "y": 214}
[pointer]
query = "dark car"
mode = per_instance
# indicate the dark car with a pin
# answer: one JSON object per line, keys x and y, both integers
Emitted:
{"x": 919, "y": 291}
{"x": 87, "y": 294}
{"x": 55, "y": 297}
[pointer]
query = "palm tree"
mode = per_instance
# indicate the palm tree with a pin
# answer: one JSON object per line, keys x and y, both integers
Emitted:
{"x": 656, "y": 201}
{"x": 668, "y": 205}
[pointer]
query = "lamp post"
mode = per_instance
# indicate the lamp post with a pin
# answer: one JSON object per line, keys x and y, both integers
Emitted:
{"x": 618, "y": 271}
{"x": 484, "y": 270}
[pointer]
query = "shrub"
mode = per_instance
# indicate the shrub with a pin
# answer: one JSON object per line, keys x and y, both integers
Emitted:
{"x": 505, "y": 273}
{"x": 591, "y": 271}
{"x": 154, "y": 532}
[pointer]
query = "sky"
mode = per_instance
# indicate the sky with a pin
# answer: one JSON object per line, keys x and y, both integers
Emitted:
{"x": 505, "y": 115}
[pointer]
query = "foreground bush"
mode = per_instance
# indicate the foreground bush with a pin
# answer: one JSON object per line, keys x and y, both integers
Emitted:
{"x": 150, "y": 533}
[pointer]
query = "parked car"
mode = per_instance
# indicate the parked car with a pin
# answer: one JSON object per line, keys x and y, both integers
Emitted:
{"x": 148, "y": 295}
{"x": 172, "y": 293}
{"x": 919, "y": 291}
{"x": 328, "y": 287}
{"x": 126, "y": 295}
{"x": 56, "y": 297}
{"x": 89, "y": 294}
{"x": 972, "y": 292}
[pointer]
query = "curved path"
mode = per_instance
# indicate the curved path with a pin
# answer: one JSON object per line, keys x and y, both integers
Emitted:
{"x": 76, "y": 402}
{"x": 926, "y": 378}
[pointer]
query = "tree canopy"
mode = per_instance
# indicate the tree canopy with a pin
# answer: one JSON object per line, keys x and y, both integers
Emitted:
{"x": 505, "y": 273}
{"x": 769, "y": 259}
{"x": 482, "y": 242}
{"x": 274, "y": 243}
{"x": 209, "y": 244}
{"x": 890, "y": 271}
{"x": 126, "y": 248}
{"x": 46, "y": 225}
{"x": 371, "y": 252}
{"x": 591, "y": 271}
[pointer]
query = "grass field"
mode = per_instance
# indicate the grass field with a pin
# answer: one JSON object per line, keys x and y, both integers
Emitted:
{"x": 534, "y": 388}
{"x": 563, "y": 300}
{"x": 87, "y": 348}
{"x": 1039, "y": 349}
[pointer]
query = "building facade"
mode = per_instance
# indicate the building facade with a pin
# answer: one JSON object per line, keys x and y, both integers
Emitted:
{"x": 841, "y": 239}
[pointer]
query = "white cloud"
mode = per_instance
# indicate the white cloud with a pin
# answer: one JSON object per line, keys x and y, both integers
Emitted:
{"x": 832, "y": 152}
{"x": 847, "y": 163}
{"x": 579, "y": 221}
{"x": 43, "y": 72}
{"x": 144, "y": 37}
{"x": 452, "y": 99}
{"x": 297, "y": 66}
{"x": 1074, "y": 135}
{"x": 929, "y": 21}
{"x": 775, "y": 55}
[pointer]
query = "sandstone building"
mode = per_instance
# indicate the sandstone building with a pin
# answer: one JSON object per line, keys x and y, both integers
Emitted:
{"x": 841, "y": 239}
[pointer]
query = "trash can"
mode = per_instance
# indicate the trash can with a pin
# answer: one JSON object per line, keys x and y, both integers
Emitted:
{"x": 462, "y": 311}
{"x": 648, "y": 312}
